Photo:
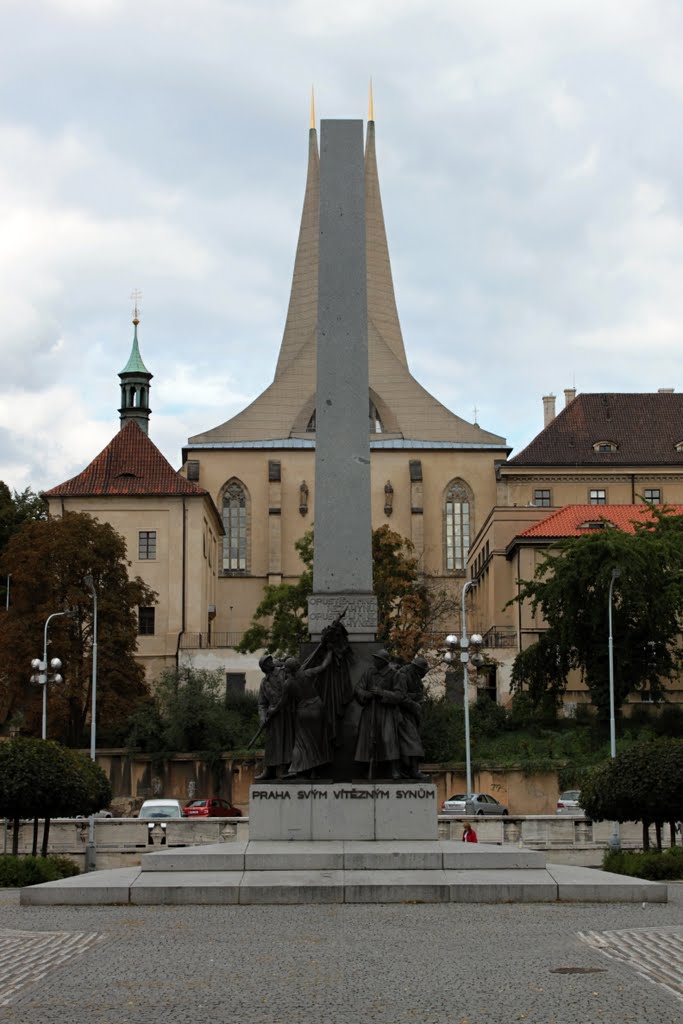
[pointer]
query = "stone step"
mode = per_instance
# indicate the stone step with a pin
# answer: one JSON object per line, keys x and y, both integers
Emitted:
{"x": 555, "y": 883}
{"x": 346, "y": 855}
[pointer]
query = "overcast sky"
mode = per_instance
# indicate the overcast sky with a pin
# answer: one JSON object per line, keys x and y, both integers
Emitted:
{"x": 531, "y": 165}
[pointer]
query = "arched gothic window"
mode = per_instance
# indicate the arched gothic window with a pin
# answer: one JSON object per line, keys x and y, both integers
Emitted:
{"x": 457, "y": 525}
{"x": 234, "y": 513}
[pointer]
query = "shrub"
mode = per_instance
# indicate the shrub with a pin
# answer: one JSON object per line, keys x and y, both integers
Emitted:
{"x": 654, "y": 865}
{"x": 16, "y": 872}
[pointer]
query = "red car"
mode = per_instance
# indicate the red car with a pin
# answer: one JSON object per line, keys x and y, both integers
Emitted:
{"x": 215, "y": 807}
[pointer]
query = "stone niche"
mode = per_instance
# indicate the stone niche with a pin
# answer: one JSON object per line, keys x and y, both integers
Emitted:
{"x": 343, "y": 810}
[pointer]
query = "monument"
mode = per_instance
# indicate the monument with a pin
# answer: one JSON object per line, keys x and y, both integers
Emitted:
{"x": 354, "y": 772}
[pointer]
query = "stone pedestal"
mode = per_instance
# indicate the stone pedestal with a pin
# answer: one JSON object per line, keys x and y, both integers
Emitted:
{"x": 309, "y": 811}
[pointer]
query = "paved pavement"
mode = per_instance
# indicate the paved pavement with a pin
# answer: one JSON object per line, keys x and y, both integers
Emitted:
{"x": 343, "y": 964}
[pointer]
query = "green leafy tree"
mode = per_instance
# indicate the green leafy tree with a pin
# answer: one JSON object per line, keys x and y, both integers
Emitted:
{"x": 42, "y": 779}
{"x": 408, "y": 605}
{"x": 48, "y": 561}
{"x": 642, "y": 783}
{"x": 190, "y": 712}
{"x": 571, "y": 589}
{"x": 17, "y": 508}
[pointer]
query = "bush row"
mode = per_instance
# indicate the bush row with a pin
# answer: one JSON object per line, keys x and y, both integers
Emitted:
{"x": 653, "y": 865}
{"x": 16, "y": 872}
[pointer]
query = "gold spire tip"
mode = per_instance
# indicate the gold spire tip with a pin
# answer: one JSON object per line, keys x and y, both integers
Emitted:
{"x": 312, "y": 108}
{"x": 371, "y": 105}
{"x": 136, "y": 295}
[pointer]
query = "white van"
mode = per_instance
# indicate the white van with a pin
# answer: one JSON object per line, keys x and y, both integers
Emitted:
{"x": 161, "y": 809}
{"x": 158, "y": 812}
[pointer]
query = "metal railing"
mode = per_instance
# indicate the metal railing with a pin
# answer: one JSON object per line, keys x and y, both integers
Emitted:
{"x": 500, "y": 636}
{"x": 202, "y": 641}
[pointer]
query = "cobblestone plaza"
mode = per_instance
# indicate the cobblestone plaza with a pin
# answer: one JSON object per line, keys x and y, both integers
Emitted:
{"x": 385, "y": 964}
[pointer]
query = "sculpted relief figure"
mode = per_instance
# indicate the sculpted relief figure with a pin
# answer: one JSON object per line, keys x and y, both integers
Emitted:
{"x": 409, "y": 684}
{"x": 311, "y": 748}
{"x": 378, "y": 730}
{"x": 275, "y": 718}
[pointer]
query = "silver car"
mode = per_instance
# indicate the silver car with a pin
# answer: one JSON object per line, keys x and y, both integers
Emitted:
{"x": 569, "y": 802}
{"x": 473, "y": 803}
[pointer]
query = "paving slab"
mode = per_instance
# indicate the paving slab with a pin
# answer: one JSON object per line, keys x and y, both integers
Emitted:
{"x": 298, "y": 887}
{"x": 502, "y": 886}
{"x": 211, "y": 857}
{"x": 395, "y": 887}
{"x": 96, "y": 887}
{"x": 195, "y": 888}
{"x": 488, "y": 856}
{"x": 415, "y": 855}
{"x": 591, "y": 885}
{"x": 278, "y": 855}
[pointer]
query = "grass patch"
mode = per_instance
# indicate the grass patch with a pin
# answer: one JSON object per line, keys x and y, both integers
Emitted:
{"x": 16, "y": 872}
{"x": 649, "y": 864}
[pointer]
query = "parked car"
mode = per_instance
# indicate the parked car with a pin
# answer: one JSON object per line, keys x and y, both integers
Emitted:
{"x": 214, "y": 807}
{"x": 161, "y": 809}
{"x": 159, "y": 812}
{"x": 473, "y": 803}
{"x": 569, "y": 802}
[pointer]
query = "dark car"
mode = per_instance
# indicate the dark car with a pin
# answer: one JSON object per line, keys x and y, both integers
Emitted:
{"x": 214, "y": 807}
{"x": 473, "y": 803}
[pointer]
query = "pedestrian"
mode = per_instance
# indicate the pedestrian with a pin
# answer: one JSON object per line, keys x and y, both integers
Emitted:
{"x": 468, "y": 834}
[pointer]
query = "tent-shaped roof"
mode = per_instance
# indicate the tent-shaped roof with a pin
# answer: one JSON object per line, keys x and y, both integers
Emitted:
{"x": 130, "y": 464}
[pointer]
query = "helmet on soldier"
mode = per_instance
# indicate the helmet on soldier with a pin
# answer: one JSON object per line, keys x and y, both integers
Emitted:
{"x": 292, "y": 665}
{"x": 421, "y": 663}
{"x": 382, "y": 656}
{"x": 263, "y": 661}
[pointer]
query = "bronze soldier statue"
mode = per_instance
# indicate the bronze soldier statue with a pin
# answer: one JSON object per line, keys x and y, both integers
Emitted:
{"x": 409, "y": 684}
{"x": 378, "y": 738}
{"x": 276, "y": 719}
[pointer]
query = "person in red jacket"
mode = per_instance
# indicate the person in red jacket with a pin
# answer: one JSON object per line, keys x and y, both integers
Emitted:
{"x": 468, "y": 834}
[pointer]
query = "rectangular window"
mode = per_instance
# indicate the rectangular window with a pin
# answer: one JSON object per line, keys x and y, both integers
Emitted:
{"x": 653, "y": 495}
{"x": 542, "y": 498}
{"x": 147, "y": 544}
{"x": 235, "y": 684}
{"x": 597, "y": 497}
{"x": 146, "y": 621}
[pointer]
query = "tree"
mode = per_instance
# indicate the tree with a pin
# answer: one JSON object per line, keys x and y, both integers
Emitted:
{"x": 16, "y": 509}
{"x": 408, "y": 604}
{"x": 48, "y": 561}
{"x": 42, "y": 779}
{"x": 571, "y": 588}
{"x": 643, "y": 783}
{"x": 190, "y": 712}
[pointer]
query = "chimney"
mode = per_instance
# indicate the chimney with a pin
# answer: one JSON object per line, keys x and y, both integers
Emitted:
{"x": 569, "y": 396}
{"x": 665, "y": 391}
{"x": 548, "y": 409}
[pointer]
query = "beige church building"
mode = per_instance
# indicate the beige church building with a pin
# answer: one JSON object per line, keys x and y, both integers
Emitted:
{"x": 208, "y": 537}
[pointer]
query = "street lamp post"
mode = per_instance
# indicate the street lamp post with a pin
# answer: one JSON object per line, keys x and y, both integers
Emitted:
{"x": 615, "y": 837}
{"x": 464, "y": 643}
{"x": 41, "y": 670}
{"x": 90, "y": 850}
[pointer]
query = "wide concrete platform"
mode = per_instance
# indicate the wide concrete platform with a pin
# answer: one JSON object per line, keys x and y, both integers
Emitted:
{"x": 344, "y": 871}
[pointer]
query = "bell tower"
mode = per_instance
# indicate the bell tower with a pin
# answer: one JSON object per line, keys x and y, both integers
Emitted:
{"x": 135, "y": 378}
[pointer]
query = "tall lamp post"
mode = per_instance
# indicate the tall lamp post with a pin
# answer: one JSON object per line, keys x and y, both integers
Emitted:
{"x": 464, "y": 643}
{"x": 41, "y": 670}
{"x": 90, "y": 850}
{"x": 615, "y": 838}
{"x": 90, "y": 584}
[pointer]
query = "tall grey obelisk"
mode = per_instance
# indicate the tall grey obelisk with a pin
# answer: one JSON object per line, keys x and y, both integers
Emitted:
{"x": 342, "y": 565}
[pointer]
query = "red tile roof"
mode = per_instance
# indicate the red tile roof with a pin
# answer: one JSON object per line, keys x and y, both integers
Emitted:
{"x": 130, "y": 464}
{"x": 645, "y": 428}
{"x": 575, "y": 520}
